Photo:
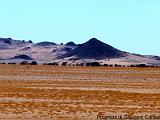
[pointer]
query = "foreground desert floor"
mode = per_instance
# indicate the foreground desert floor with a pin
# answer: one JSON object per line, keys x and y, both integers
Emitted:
{"x": 77, "y": 93}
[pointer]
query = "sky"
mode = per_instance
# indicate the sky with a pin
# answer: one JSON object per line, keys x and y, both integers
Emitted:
{"x": 129, "y": 25}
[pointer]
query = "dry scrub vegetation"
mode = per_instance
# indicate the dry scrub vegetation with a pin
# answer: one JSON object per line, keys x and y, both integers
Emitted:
{"x": 77, "y": 93}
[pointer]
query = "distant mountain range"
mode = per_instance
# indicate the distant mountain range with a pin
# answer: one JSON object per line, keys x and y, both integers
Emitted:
{"x": 90, "y": 51}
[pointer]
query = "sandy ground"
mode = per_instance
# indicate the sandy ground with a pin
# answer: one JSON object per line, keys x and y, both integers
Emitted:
{"x": 77, "y": 93}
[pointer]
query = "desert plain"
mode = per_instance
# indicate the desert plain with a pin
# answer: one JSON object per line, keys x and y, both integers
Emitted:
{"x": 77, "y": 93}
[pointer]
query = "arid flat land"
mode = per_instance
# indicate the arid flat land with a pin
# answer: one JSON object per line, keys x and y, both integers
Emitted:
{"x": 77, "y": 93}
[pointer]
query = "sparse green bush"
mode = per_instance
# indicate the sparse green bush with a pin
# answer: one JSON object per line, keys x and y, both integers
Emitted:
{"x": 30, "y": 41}
{"x": 88, "y": 64}
{"x": 33, "y": 63}
{"x": 142, "y": 65}
{"x": 111, "y": 65}
{"x": 13, "y": 63}
{"x": 24, "y": 63}
{"x": 64, "y": 63}
{"x": 105, "y": 65}
{"x": 54, "y": 64}
{"x": 95, "y": 64}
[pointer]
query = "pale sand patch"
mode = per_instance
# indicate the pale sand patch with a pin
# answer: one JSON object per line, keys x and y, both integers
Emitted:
{"x": 127, "y": 90}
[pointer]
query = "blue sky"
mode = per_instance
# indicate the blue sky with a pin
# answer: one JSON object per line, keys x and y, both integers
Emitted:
{"x": 130, "y": 25}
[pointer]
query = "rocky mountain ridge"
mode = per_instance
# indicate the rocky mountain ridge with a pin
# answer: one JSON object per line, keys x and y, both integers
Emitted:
{"x": 48, "y": 52}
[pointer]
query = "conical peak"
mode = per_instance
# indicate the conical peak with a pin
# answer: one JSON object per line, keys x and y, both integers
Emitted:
{"x": 93, "y": 40}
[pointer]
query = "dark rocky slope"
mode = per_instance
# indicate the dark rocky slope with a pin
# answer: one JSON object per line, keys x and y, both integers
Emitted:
{"x": 24, "y": 57}
{"x": 94, "y": 49}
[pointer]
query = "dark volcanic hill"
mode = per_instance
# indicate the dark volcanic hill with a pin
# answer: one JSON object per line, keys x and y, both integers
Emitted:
{"x": 71, "y": 44}
{"x": 46, "y": 43}
{"x": 24, "y": 57}
{"x": 94, "y": 49}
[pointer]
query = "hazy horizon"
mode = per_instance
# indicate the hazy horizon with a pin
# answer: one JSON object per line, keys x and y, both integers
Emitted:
{"x": 131, "y": 26}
